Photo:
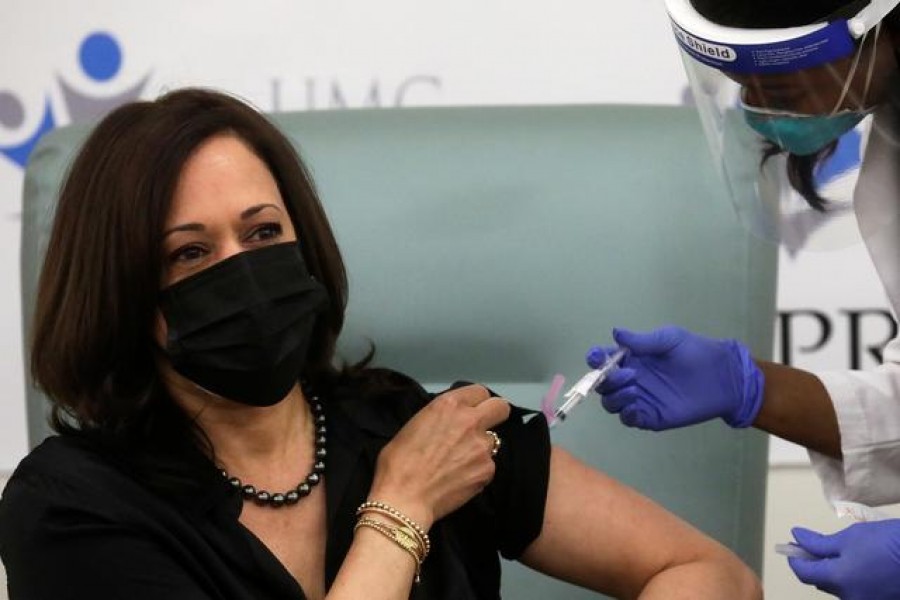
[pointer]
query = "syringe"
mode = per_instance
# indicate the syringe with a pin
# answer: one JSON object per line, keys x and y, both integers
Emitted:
{"x": 588, "y": 382}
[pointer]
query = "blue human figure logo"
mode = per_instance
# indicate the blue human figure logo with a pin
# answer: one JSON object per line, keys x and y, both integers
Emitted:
{"x": 100, "y": 59}
{"x": 12, "y": 116}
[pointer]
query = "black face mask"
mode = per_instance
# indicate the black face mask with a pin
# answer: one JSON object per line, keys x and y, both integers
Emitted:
{"x": 241, "y": 328}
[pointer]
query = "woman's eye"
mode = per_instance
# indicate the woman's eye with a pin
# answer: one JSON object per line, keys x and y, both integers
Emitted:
{"x": 187, "y": 254}
{"x": 265, "y": 232}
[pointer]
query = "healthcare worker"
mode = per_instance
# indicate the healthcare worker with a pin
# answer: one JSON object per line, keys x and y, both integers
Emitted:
{"x": 777, "y": 83}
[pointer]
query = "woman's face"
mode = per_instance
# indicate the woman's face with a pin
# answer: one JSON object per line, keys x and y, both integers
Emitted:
{"x": 817, "y": 91}
{"x": 226, "y": 202}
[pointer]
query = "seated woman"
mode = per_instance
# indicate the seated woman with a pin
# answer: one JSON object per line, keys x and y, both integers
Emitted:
{"x": 210, "y": 448}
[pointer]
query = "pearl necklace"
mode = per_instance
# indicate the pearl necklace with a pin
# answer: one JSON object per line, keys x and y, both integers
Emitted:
{"x": 292, "y": 496}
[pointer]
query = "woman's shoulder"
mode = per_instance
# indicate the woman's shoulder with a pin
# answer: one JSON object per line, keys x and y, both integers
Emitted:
{"x": 377, "y": 400}
{"x": 61, "y": 458}
{"x": 372, "y": 381}
{"x": 60, "y": 468}
{"x": 382, "y": 400}
{"x": 385, "y": 386}
{"x": 56, "y": 480}
{"x": 391, "y": 394}
{"x": 66, "y": 475}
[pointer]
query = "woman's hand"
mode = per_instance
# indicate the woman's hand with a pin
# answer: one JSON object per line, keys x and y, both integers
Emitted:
{"x": 442, "y": 457}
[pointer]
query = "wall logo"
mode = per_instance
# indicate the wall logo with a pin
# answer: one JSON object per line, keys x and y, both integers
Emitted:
{"x": 311, "y": 93}
{"x": 100, "y": 59}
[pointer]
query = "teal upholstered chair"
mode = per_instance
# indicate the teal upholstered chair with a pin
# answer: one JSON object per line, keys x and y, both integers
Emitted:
{"x": 497, "y": 244}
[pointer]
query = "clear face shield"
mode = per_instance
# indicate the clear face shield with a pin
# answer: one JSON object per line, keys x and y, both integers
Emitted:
{"x": 788, "y": 104}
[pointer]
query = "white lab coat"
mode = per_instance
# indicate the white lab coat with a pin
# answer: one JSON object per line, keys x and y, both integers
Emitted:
{"x": 867, "y": 403}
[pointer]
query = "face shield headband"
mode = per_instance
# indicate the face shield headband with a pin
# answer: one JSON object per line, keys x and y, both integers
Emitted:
{"x": 771, "y": 51}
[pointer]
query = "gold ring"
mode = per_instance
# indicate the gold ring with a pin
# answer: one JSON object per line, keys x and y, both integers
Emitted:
{"x": 497, "y": 442}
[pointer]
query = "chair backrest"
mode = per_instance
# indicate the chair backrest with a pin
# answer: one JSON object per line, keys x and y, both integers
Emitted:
{"x": 497, "y": 244}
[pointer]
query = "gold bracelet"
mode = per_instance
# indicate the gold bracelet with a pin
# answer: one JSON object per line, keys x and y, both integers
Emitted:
{"x": 424, "y": 542}
{"x": 399, "y": 537}
{"x": 390, "y": 511}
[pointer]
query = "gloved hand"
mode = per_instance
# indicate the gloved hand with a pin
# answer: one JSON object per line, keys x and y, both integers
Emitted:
{"x": 861, "y": 562}
{"x": 672, "y": 378}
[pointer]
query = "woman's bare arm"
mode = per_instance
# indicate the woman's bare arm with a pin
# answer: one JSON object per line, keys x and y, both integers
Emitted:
{"x": 602, "y": 535}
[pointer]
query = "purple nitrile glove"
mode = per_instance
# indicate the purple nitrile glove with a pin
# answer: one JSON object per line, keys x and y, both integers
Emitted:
{"x": 861, "y": 562}
{"x": 672, "y": 378}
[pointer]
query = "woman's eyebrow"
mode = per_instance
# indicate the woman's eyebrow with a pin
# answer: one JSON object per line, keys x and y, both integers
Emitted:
{"x": 249, "y": 212}
{"x": 245, "y": 214}
{"x": 185, "y": 227}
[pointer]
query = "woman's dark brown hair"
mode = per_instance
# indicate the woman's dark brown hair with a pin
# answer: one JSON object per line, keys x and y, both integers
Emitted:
{"x": 93, "y": 352}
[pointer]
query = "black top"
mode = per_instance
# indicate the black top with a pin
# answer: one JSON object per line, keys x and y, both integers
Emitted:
{"x": 76, "y": 523}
